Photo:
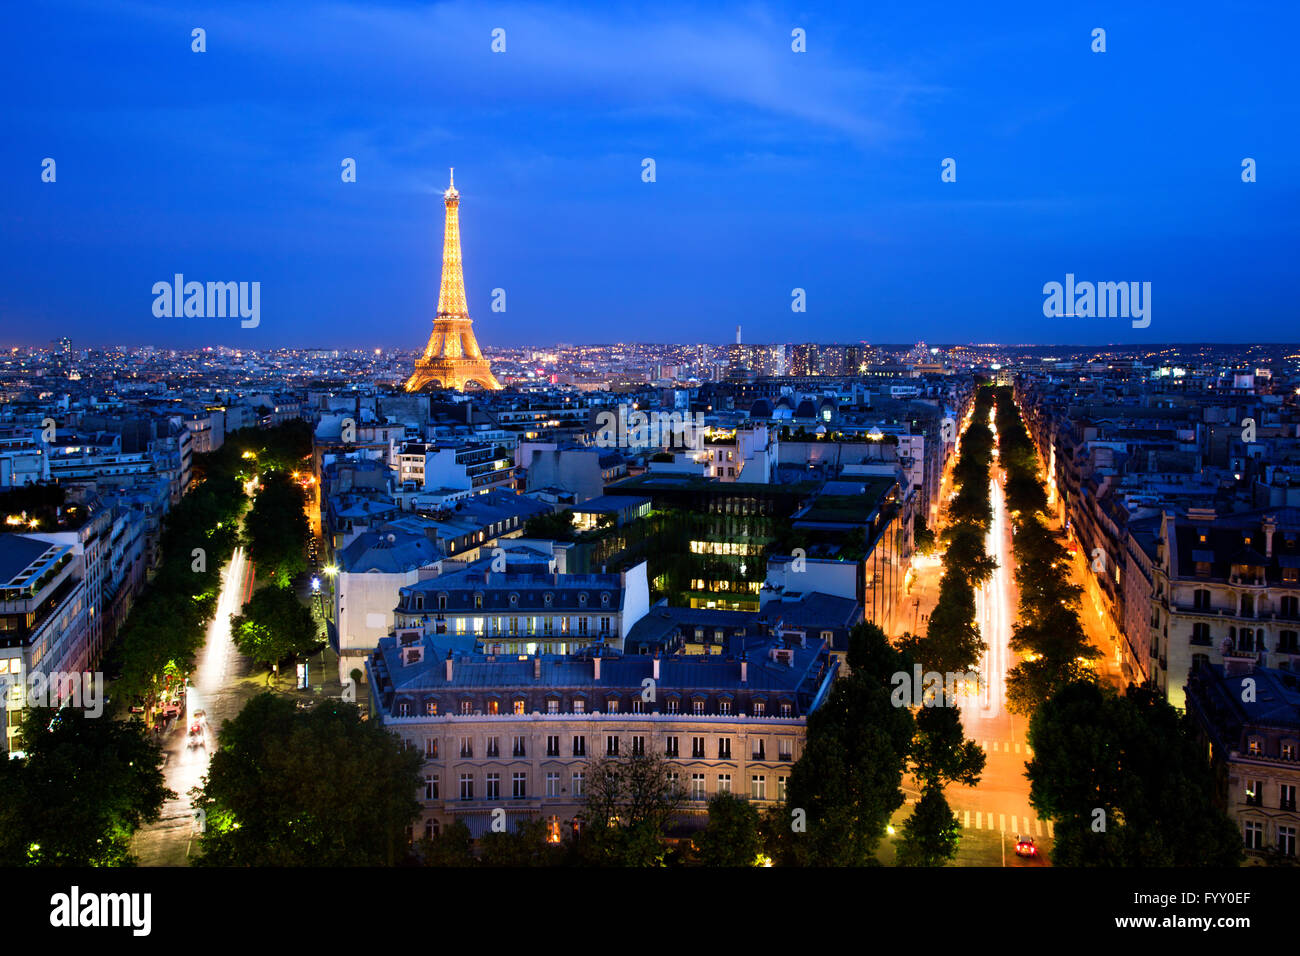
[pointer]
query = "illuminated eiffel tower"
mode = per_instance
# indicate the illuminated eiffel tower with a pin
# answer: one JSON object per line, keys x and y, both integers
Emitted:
{"x": 452, "y": 358}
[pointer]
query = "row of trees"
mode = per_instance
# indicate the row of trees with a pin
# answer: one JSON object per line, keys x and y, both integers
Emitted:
{"x": 1120, "y": 774}
{"x": 1048, "y": 633}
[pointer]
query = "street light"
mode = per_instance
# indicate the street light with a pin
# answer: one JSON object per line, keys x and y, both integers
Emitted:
{"x": 315, "y": 584}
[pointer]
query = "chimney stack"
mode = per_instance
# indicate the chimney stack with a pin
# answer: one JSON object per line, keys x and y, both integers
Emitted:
{"x": 537, "y": 667}
{"x": 655, "y": 666}
{"x": 449, "y": 662}
{"x": 596, "y": 661}
{"x": 1270, "y": 526}
{"x": 744, "y": 670}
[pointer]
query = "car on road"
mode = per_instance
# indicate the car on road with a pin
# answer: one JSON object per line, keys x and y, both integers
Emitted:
{"x": 1025, "y": 847}
{"x": 198, "y": 736}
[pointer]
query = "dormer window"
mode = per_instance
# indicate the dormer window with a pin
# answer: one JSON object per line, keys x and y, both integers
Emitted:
{"x": 548, "y": 599}
{"x": 604, "y": 600}
{"x": 478, "y": 601}
{"x": 582, "y": 599}
{"x": 442, "y": 602}
{"x": 514, "y": 600}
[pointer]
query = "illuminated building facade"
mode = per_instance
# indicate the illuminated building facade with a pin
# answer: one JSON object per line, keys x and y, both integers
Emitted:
{"x": 452, "y": 359}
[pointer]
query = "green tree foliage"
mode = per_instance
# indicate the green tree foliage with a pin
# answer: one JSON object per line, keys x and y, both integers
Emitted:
{"x": 629, "y": 803}
{"x": 454, "y": 846}
{"x": 82, "y": 788}
{"x": 277, "y": 528}
{"x": 307, "y": 788}
{"x": 556, "y": 526}
{"x": 1134, "y": 759}
{"x": 274, "y": 625}
{"x": 930, "y": 835}
{"x": 847, "y": 782}
{"x": 732, "y": 836}
{"x": 526, "y": 845}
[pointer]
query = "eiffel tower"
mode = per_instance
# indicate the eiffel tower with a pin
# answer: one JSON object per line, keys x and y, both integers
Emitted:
{"x": 452, "y": 358}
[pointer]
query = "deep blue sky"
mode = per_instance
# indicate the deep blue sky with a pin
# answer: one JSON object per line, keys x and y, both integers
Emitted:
{"x": 775, "y": 169}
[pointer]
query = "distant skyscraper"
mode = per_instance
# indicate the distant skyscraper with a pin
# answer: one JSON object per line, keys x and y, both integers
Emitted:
{"x": 452, "y": 358}
{"x": 737, "y": 335}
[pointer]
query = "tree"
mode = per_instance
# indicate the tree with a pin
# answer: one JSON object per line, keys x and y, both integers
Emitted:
{"x": 846, "y": 785}
{"x": 526, "y": 845}
{"x": 82, "y": 788}
{"x": 454, "y": 846}
{"x": 555, "y": 526}
{"x": 1125, "y": 782}
{"x": 277, "y": 528}
{"x": 731, "y": 837}
{"x": 629, "y": 802}
{"x": 316, "y": 788}
{"x": 274, "y": 625}
{"x": 931, "y": 834}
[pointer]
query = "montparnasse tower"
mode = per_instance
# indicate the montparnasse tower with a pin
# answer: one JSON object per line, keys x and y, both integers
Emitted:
{"x": 452, "y": 358}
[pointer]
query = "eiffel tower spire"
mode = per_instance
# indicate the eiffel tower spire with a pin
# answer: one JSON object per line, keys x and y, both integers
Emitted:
{"x": 452, "y": 358}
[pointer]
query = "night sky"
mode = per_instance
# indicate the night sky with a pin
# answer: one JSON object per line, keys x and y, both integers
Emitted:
{"x": 775, "y": 169}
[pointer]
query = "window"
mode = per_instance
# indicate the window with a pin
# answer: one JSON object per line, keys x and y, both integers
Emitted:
{"x": 604, "y": 625}
{"x": 552, "y": 706}
{"x": 1254, "y": 747}
{"x": 579, "y": 783}
{"x": 582, "y": 626}
{"x": 697, "y": 706}
{"x": 478, "y": 601}
{"x": 467, "y": 786}
{"x": 431, "y": 786}
{"x": 1247, "y": 605}
{"x": 724, "y": 748}
{"x": 1254, "y": 835}
{"x": 1286, "y": 840}
{"x": 1291, "y": 605}
{"x": 579, "y": 706}
{"x": 611, "y": 706}
{"x": 697, "y": 748}
{"x": 781, "y": 787}
{"x": 697, "y": 786}
{"x": 1201, "y": 599}
{"x": 638, "y": 705}
{"x": 670, "y": 705}
{"x": 404, "y": 709}
{"x": 494, "y": 746}
{"x": 759, "y": 708}
{"x": 758, "y": 787}
{"x": 1200, "y": 633}
{"x": 724, "y": 783}
{"x": 1286, "y": 797}
{"x": 638, "y": 746}
{"x": 552, "y": 784}
{"x": 442, "y": 602}
{"x": 431, "y": 747}
{"x": 1254, "y": 793}
{"x": 519, "y": 749}
{"x": 431, "y": 708}
{"x": 784, "y": 750}
{"x": 580, "y": 746}
{"x": 724, "y": 706}
{"x": 760, "y": 749}
{"x": 1288, "y": 750}
{"x": 1287, "y": 642}
{"x": 428, "y": 829}
{"x": 611, "y": 745}
{"x": 519, "y": 705}
{"x": 494, "y": 707}
{"x": 519, "y": 785}
{"x": 466, "y": 707}
{"x": 553, "y": 745}
{"x": 467, "y": 746}
{"x": 786, "y": 710}
{"x": 670, "y": 746}
{"x": 493, "y": 786}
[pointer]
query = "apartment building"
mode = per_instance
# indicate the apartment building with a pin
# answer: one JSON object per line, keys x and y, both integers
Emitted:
{"x": 517, "y": 734}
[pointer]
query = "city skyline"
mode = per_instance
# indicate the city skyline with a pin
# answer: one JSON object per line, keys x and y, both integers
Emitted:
{"x": 775, "y": 170}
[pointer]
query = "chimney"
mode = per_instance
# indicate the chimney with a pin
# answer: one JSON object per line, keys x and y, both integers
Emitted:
{"x": 596, "y": 662}
{"x": 744, "y": 670}
{"x": 449, "y": 663}
{"x": 537, "y": 667}
{"x": 1270, "y": 526}
{"x": 654, "y": 672}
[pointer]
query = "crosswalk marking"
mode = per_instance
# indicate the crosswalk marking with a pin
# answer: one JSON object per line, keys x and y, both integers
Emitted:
{"x": 995, "y": 746}
{"x": 1002, "y": 821}
{"x": 1014, "y": 828}
{"x": 979, "y": 819}
{"x": 1017, "y": 747}
{"x": 966, "y": 820}
{"x": 1049, "y": 829}
{"x": 1021, "y": 826}
{"x": 1038, "y": 827}
{"x": 1006, "y": 747}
